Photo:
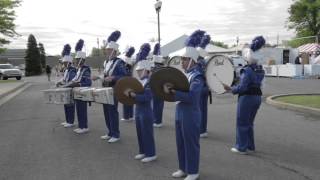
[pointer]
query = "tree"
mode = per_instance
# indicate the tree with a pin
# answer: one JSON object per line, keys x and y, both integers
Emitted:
{"x": 42, "y": 56}
{"x": 98, "y": 52}
{"x": 305, "y": 19}
{"x": 219, "y": 44}
{"x": 33, "y": 64}
{"x": 7, "y": 17}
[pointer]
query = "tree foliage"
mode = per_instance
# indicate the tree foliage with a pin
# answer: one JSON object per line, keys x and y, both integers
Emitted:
{"x": 7, "y": 17}
{"x": 32, "y": 59}
{"x": 305, "y": 20}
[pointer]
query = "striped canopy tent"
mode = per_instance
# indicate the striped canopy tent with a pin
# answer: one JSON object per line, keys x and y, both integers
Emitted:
{"x": 309, "y": 48}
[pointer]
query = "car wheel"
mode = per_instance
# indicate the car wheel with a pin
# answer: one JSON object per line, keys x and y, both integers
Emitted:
{"x": 18, "y": 78}
{"x": 5, "y": 78}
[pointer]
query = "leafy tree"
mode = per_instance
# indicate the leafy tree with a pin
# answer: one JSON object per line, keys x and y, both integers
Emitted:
{"x": 42, "y": 56}
{"x": 305, "y": 20}
{"x": 7, "y": 17}
{"x": 219, "y": 44}
{"x": 32, "y": 59}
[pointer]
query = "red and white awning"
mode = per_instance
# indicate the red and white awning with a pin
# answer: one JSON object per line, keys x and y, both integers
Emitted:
{"x": 309, "y": 48}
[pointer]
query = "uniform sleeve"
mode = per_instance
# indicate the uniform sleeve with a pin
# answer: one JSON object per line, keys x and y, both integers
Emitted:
{"x": 194, "y": 93}
{"x": 244, "y": 83}
{"x": 72, "y": 74}
{"x": 120, "y": 71}
{"x": 145, "y": 96}
{"x": 86, "y": 78}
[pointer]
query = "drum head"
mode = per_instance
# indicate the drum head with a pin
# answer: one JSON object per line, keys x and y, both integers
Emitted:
{"x": 127, "y": 83}
{"x": 175, "y": 62}
{"x": 168, "y": 75}
{"x": 219, "y": 70}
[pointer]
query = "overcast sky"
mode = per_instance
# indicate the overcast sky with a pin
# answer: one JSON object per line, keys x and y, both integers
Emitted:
{"x": 57, "y": 22}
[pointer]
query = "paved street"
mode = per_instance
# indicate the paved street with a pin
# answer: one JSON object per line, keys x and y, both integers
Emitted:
{"x": 33, "y": 146}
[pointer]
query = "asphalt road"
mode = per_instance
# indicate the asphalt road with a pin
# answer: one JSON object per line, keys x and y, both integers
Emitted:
{"x": 33, "y": 146}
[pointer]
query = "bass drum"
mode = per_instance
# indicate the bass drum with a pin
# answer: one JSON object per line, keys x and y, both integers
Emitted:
{"x": 219, "y": 70}
{"x": 175, "y": 62}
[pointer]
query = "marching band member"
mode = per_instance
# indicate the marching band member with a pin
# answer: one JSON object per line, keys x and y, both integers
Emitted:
{"x": 114, "y": 69}
{"x": 128, "y": 109}
{"x": 157, "y": 103}
{"x": 82, "y": 79}
{"x": 188, "y": 113}
{"x": 205, "y": 40}
{"x": 249, "y": 101}
{"x": 69, "y": 73}
{"x": 143, "y": 113}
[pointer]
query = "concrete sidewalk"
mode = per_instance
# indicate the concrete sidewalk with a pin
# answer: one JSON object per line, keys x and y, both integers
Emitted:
{"x": 9, "y": 87}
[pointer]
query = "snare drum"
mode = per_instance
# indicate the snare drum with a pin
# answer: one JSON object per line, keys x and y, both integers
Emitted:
{"x": 63, "y": 96}
{"x": 49, "y": 96}
{"x": 87, "y": 94}
{"x": 83, "y": 93}
{"x": 104, "y": 95}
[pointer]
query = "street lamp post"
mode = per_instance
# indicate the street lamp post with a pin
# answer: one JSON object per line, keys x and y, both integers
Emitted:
{"x": 157, "y": 6}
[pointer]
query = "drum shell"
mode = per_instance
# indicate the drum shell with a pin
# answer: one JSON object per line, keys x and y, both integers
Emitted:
{"x": 104, "y": 95}
{"x": 63, "y": 96}
{"x": 49, "y": 96}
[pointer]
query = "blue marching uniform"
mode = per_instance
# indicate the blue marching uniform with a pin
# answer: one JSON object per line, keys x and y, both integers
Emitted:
{"x": 188, "y": 119}
{"x": 116, "y": 68}
{"x": 144, "y": 120}
{"x": 249, "y": 101}
{"x": 84, "y": 78}
{"x": 157, "y": 103}
{"x": 128, "y": 109}
{"x": 69, "y": 109}
{"x": 203, "y": 99}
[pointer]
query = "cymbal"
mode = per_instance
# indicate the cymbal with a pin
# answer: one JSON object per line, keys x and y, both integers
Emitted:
{"x": 168, "y": 75}
{"x": 127, "y": 83}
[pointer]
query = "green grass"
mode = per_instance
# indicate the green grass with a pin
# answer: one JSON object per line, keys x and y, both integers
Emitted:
{"x": 9, "y": 81}
{"x": 305, "y": 100}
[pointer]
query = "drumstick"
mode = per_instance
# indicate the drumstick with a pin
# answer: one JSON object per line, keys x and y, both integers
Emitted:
{"x": 215, "y": 75}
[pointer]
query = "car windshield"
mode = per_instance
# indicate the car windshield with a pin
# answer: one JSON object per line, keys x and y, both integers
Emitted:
{"x": 6, "y": 66}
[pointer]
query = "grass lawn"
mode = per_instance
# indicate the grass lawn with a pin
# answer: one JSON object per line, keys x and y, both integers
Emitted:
{"x": 305, "y": 100}
{"x": 9, "y": 81}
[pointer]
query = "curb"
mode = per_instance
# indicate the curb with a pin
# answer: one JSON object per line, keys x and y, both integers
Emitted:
{"x": 13, "y": 90}
{"x": 304, "y": 109}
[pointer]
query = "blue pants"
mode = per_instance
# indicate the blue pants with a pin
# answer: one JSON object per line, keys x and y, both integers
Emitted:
{"x": 204, "y": 110}
{"x": 246, "y": 111}
{"x": 82, "y": 113}
{"x": 157, "y": 108}
{"x": 111, "y": 117}
{"x": 144, "y": 127}
{"x": 127, "y": 112}
{"x": 188, "y": 146}
{"x": 69, "y": 113}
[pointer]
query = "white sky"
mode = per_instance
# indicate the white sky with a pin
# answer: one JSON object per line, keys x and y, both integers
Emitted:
{"x": 57, "y": 22}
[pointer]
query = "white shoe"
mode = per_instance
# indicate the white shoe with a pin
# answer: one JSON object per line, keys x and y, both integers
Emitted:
{"x": 148, "y": 159}
{"x": 204, "y": 135}
{"x": 139, "y": 156}
{"x": 179, "y": 174}
{"x": 105, "y": 137}
{"x": 81, "y": 131}
{"x": 126, "y": 120}
{"x": 67, "y": 125}
{"x": 192, "y": 177}
{"x": 64, "y": 123}
{"x": 157, "y": 125}
{"x": 113, "y": 140}
{"x": 235, "y": 150}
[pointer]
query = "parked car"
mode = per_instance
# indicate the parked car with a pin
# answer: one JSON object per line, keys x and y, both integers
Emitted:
{"x": 8, "y": 71}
